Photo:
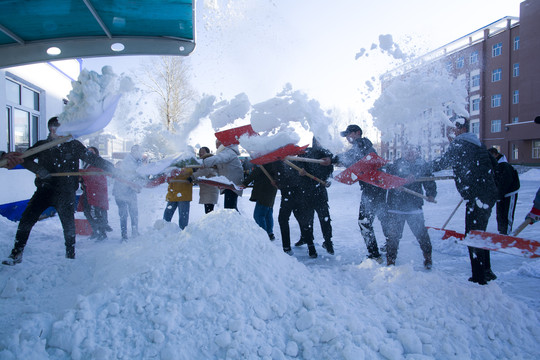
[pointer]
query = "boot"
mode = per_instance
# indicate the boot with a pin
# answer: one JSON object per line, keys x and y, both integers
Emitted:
{"x": 428, "y": 263}
{"x": 14, "y": 258}
{"x": 300, "y": 243}
{"x": 390, "y": 261}
{"x": 70, "y": 252}
{"x": 312, "y": 252}
{"x": 328, "y": 246}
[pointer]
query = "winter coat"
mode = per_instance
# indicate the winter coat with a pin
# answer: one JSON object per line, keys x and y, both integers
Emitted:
{"x": 208, "y": 194}
{"x": 473, "y": 168}
{"x": 316, "y": 192}
{"x": 405, "y": 202}
{"x": 506, "y": 178}
{"x": 362, "y": 147}
{"x": 180, "y": 191}
{"x": 63, "y": 158}
{"x": 228, "y": 164}
{"x": 263, "y": 191}
{"x": 95, "y": 188}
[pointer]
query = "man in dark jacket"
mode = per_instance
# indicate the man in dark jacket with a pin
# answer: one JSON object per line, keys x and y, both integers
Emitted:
{"x": 264, "y": 194}
{"x": 58, "y": 192}
{"x": 373, "y": 202}
{"x": 404, "y": 207}
{"x": 473, "y": 175}
{"x": 316, "y": 193}
{"x": 507, "y": 181}
{"x": 294, "y": 200}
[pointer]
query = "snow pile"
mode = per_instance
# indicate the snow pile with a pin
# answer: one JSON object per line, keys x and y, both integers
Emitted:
{"x": 221, "y": 291}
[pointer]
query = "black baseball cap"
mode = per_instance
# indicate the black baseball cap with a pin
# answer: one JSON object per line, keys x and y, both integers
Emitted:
{"x": 350, "y": 129}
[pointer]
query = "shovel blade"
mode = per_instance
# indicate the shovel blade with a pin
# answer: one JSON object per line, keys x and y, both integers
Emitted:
{"x": 231, "y": 136}
{"x": 279, "y": 154}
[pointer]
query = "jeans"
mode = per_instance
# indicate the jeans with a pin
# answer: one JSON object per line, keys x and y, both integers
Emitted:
{"x": 263, "y": 216}
{"x": 183, "y": 212}
{"x": 131, "y": 207}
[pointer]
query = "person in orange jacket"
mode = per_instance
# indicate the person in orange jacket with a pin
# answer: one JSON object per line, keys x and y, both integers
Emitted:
{"x": 179, "y": 196}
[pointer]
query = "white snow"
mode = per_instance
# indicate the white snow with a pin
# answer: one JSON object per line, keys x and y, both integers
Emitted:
{"x": 221, "y": 289}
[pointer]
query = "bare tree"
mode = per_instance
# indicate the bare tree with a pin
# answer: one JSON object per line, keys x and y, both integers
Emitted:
{"x": 167, "y": 77}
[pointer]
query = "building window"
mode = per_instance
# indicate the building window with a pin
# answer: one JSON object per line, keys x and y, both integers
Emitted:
{"x": 496, "y": 75}
{"x": 475, "y": 127}
{"x": 515, "y": 120}
{"x": 460, "y": 62}
{"x": 474, "y": 105}
{"x": 496, "y": 50}
{"x": 495, "y": 126}
{"x": 515, "y": 72}
{"x": 515, "y": 152}
{"x": 475, "y": 81}
{"x": 515, "y": 97}
{"x": 473, "y": 59}
{"x": 449, "y": 66}
{"x": 516, "y": 43}
{"x": 496, "y": 100}
{"x": 22, "y": 111}
{"x": 536, "y": 149}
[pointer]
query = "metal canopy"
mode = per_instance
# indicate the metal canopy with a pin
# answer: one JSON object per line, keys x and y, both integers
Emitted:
{"x": 36, "y": 30}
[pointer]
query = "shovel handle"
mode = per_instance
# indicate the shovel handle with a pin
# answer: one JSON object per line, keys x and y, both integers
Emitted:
{"x": 522, "y": 226}
{"x": 82, "y": 173}
{"x": 267, "y": 173}
{"x": 307, "y": 174}
{"x": 452, "y": 214}
{"x": 131, "y": 184}
{"x": 433, "y": 178}
{"x": 297, "y": 158}
{"x": 409, "y": 191}
{"x": 40, "y": 148}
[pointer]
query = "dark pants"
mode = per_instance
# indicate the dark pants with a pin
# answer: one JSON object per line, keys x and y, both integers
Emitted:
{"x": 97, "y": 217}
{"x": 63, "y": 202}
{"x": 323, "y": 213}
{"x": 477, "y": 218}
{"x": 208, "y": 208}
{"x": 505, "y": 213}
{"x": 395, "y": 226}
{"x": 125, "y": 207}
{"x": 304, "y": 215}
{"x": 369, "y": 208}
{"x": 231, "y": 199}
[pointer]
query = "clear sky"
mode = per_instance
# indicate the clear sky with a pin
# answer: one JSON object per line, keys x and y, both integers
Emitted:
{"x": 256, "y": 46}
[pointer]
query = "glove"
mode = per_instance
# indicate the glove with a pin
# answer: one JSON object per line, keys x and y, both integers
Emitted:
{"x": 534, "y": 215}
{"x": 43, "y": 174}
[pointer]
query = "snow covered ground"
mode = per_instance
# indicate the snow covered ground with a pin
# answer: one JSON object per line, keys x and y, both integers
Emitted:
{"x": 221, "y": 289}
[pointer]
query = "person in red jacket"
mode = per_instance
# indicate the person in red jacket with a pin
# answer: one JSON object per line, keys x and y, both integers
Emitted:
{"x": 95, "y": 199}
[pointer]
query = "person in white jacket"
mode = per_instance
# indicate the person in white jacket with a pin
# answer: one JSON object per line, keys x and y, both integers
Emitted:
{"x": 208, "y": 194}
{"x": 228, "y": 165}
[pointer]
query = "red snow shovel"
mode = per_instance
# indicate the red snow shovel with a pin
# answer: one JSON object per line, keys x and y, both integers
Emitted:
{"x": 282, "y": 154}
{"x": 496, "y": 242}
{"x": 279, "y": 154}
{"x": 231, "y": 136}
{"x": 366, "y": 170}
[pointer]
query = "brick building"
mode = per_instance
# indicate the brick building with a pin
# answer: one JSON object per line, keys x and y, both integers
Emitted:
{"x": 500, "y": 67}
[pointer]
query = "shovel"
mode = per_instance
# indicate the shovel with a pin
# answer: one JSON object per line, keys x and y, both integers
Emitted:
{"x": 231, "y": 136}
{"x": 73, "y": 130}
{"x": 282, "y": 154}
{"x": 366, "y": 170}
